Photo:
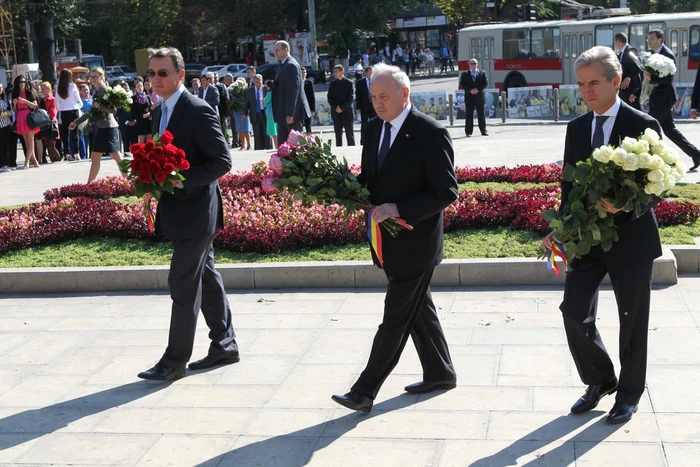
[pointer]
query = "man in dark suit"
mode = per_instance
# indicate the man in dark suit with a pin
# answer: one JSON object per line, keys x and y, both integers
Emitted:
{"x": 663, "y": 98}
{"x": 255, "y": 110}
{"x": 631, "y": 86}
{"x": 310, "y": 98}
{"x": 473, "y": 82}
{"x": 289, "y": 105}
{"x": 340, "y": 101}
{"x": 363, "y": 102}
{"x": 695, "y": 97}
{"x": 208, "y": 91}
{"x": 190, "y": 217}
{"x": 630, "y": 260}
{"x": 408, "y": 167}
{"x": 223, "y": 100}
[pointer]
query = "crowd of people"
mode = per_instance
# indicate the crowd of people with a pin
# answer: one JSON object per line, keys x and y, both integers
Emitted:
{"x": 415, "y": 60}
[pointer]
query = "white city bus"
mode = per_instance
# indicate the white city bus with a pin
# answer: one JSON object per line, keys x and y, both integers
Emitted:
{"x": 543, "y": 53}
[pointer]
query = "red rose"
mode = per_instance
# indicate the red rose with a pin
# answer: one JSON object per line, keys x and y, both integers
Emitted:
{"x": 168, "y": 167}
{"x": 184, "y": 165}
{"x": 134, "y": 165}
{"x": 170, "y": 149}
{"x": 166, "y": 137}
{"x": 159, "y": 150}
{"x": 150, "y": 145}
{"x": 144, "y": 178}
{"x": 139, "y": 154}
{"x": 181, "y": 154}
{"x": 171, "y": 160}
{"x": 136, "y": 147}
{"x": 154, "y": 167}
{"x": 162, "y": 176}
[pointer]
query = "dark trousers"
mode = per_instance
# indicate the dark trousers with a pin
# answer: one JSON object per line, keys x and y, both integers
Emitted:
{"x": 626, "y": 99}
{"x": 195, "y": 284}
{"x": 408, "y": 310}
{"x": 12, "y": 148}
{"x": 471, "y": 102}
{"x": 260, "y": 137}
{"x": 343, "y": 121}
{"x": 283, "y": 130}
{"x": 632, "y": 287}
{"x": 364, "y": 118}
{"x": 5, "y": 146}
{"x": 126, "y": 134}
{"x": 69, "y": 139}
{"x": 234, "y": 136}
{"x": 307, "y": 124}
{"x": 665, "y": 118}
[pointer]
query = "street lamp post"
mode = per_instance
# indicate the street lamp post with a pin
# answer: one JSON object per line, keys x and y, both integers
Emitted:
{"x": 312, "y": 33}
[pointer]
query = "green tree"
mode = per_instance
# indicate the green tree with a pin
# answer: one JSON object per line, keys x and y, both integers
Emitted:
{"x": 461, "y": 12}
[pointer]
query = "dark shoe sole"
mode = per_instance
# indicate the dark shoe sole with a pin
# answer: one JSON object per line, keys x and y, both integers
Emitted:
{"x": 607, "y": 393}
{"x": 168, "y": 378}
{"x": 220, "y": 362}
{"x": 348, "y": 406}
{"x": 437, "y": 387}
{"x": 617, "y": 421}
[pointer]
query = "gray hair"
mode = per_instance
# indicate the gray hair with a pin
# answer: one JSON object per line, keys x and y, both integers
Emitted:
{"x": 395, "y": 72}
{"x": 209, "y": 76}
{"x": 258, "y": 76}
{"x": 603, "y": 55}
{"x": 172, "y": 52}
{"x": 228, "y": 76}
{"x": 196, "y": 80}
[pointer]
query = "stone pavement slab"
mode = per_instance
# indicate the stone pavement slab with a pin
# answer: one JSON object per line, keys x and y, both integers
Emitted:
{"x": 69, "y": 393}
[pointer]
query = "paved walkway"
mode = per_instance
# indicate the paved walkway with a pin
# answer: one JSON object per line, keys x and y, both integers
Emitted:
{"x": 510, "y": 144}
{"x": 69, "y": 393}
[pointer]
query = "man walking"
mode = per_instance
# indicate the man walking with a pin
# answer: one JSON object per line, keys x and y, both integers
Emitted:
{"x": 208, "y": 91}
{"x": 228, "y": 81}
{"x": 663, "y": 98}
{"x": 255, "y": 110}
{"x": 190, "y": 217}
{"x": 408, "y": 166}
{"x": 629, "y": 262}
{"x": 473, "y": 82}
{"x": 340, "y": 101}
{"x": 289, "y": 104}
{"x": 310, "y": 98}
{"x": 363, "y": 102}
{"x": 631, "y": 86}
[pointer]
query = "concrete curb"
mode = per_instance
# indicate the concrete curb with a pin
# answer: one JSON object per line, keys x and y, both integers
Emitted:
{"x": 340, "y": 274}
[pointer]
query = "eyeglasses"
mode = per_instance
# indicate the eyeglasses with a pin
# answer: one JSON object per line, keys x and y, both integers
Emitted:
{"x": 22, "y": 82}
{"x": 472, "y": 63}
{"x": 160, "y": 73}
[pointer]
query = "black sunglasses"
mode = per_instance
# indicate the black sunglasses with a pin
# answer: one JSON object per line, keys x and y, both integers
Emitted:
{"x": 160, "y": 73}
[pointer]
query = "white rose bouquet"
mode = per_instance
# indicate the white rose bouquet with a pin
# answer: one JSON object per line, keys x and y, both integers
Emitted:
{"x": 236, "y": 95}
{"x": 112, "y": 100}
{"x": 658, "y": 66}
{"x": 631, "y": 176}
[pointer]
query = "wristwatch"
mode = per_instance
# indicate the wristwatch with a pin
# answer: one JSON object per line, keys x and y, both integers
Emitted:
{"x": 179, "y": 185}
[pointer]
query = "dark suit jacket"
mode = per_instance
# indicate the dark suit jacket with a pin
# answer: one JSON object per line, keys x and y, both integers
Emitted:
{"x": 418, "y": 175}
{"x": 468, "y": 83}
{"x": 212, "y": 97}
{"x": 251, "y": 104}
{"x": 340, "y": 94}
{"x": 632, "y": 69}
{"x": 639, "y": 240}
{"x": 288, "y": 97}
{"x": 363, "y": 101}
{"x": 664, "y": 94}
{"x": 223, "y": 97}
{"x": 196, "y": 210}
{"x": 696, "y": 92}
{"x": 310, "y": 94}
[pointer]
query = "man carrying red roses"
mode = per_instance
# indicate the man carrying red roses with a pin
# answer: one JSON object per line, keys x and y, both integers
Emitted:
{"x": 190, "y": 216}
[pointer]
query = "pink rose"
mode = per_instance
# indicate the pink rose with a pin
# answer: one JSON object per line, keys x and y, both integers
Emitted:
{"x": 283, "y": 150}
{"x": 276, "y": 165}
{"x": 267, "y": 185}
{"x": 293, "y": 139}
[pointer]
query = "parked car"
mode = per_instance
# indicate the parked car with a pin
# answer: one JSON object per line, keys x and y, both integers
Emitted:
{"x": 212, "y": 69}
{"x": 236, "y": 69}
{"x": 122, "y": 70}
{"x": 268, "y": 71}
{"x": 114, "y": 79}
{"x": 316, "y": 76}
{"x": 192, "y": 70}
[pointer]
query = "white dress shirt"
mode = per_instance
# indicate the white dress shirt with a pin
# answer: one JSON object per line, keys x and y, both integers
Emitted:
{"x": 611, "y": 113}
{"x": 72, "y": 102}
{"x": 204, "y": 92}
{"x": 396, "y": 125}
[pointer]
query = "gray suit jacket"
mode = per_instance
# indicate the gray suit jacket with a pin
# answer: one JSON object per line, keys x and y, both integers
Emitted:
{"x": 110, "y": 121}
{"x": 251, "y": 104}
{"x": 212, "y": 97}
{"x": 288, "y": 97}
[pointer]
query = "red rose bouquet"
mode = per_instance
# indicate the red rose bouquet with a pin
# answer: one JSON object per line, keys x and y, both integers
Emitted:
{"x": 155, "y": 168}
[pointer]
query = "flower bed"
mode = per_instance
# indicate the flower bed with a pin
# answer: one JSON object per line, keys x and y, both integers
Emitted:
{"x": 255, "y": 222}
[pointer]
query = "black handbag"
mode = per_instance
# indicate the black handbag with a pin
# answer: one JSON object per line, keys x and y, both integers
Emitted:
{"x": 38, "y": 118}
{"x": 49, "y": 131}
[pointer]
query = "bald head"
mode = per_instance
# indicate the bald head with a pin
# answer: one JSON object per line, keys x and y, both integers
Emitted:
{"x": 281, "y": 50}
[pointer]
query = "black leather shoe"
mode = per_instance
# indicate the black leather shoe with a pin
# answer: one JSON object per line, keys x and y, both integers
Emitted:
{"x": 621, "y": 413}
{"x": 211, "y": 360}
{"x": 161, "y": 372}
{"x": 593, "y": 395}
{"x": 354, "y": 401}
{"x": 694, "y": 167}
{"x": 486, "y": 133}
{"x": 469, "y": 136}
{"x": 427, "y": 386}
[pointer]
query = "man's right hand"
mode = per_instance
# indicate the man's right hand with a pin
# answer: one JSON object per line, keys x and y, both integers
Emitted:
{"x": 626, "y": 82}
{"x": 338, "y": 109}
{"x": 647, "y": 75}
{"x": 548, "y": 241}
{"x": 147, "y": 197}
{"x": 72, "y": 126}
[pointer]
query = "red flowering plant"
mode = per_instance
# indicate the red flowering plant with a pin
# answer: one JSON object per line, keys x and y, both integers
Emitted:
{"x": 155, "y": 169}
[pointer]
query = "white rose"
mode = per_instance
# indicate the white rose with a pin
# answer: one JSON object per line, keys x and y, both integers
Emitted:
{"x": 656, "y": 176}
{"x": 656, "y": 163}
{"x": 619, "y": 155}
{"x": 669, "y": 157}
{"x": 603, "y": 154}
{"x": 641, "y": 147}
{"x": 644, "y": 160}
{"x": 659, "y": 148}
{"x": 654, "y": 188}
{"x": 651, "y": 136}
{"x": 630, "y": 163}
{"x": 628, "y": 144}
{"x": 680, "y": 169}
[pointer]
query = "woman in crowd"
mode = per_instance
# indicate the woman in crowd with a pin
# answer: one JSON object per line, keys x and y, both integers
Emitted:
{"x": 23, "y": 102}
{"x": 271, "y": 129}
{"x": 243, "y": 124}
{"x": 430, "y": 60}
{"x": 124, "y": 120}
{"x": 48, "y": 134}
{"x": 155, "y": 99}
{"x": 69, "y": 105}
{"x": 83, "y": 137}
{"x": 106, "y": 136}
{"x": 141, "y": 112}
{"x": 5, "y": 124}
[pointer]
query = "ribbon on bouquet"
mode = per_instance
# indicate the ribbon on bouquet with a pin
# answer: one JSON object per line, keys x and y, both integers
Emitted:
{"x": 150, "y": 216}
{"x": 551, "y": 257}
{"x": 374, "y": 234}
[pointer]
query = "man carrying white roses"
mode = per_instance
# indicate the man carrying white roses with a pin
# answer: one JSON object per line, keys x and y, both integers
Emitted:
{"x": 630, "y": 259}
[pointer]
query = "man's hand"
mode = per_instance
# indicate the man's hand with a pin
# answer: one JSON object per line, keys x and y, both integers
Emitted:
{"x": 147, "y": 197}
{"x": 290, "y": 120}
{"x": 548, "y": 241}
{"x": 647, "y": 75}
{"x": 146, "y": 116}
{"x": 474, "y": 92}
{"x": 694, "y": 114}
{"x": 608, "y": 206}
{"x": 385, "y": 211}
{"x": 633, "y": 98}
{"x": 131, "y": 123}
{"x": 626, "y": 82}
{"x": 338, "y": 109}
{"x": 72, "y": 126}
{"x": 313, "y": 113}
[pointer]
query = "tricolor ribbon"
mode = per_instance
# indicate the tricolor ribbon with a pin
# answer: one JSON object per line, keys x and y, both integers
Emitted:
{"x": 374, "y": 234}
{"x": 551, "y": 256}
{"x": 150, "y": 216}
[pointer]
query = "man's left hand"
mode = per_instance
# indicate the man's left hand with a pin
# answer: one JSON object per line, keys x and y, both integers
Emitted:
{"x": 632, "y": 99}
{"x": 647, "y": 75}
{"x": 385, "y": 211}
{"x": 608, "y": 206}
{"x": 290, "y": 120}
{"x": 474, "y": 91}
{"x": 626, "y": 82}
{"x": 338, "y": 109}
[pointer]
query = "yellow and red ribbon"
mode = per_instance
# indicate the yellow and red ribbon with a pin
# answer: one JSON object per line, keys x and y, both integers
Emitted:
{"x": 551, "y": 256}
{"x": 374, "y": 234}
{"x": 150, "y": 216}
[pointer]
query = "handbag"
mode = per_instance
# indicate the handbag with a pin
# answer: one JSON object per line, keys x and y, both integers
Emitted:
{"x": 49, "y": 131}
{"x": 38, "y": 118}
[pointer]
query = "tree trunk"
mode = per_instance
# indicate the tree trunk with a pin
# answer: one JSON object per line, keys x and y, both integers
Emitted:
{"x": 46, "y": 49}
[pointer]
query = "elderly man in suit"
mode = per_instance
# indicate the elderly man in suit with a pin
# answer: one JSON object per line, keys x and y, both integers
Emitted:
{"x": 289, "y": 105}
{"x": 631, "y": 86}
{"x": 363, "y": 102}
{"x": 209, "y": 92}
{"x": 473, "y": 82}
{"x": 190, "y": 217}
{"x": 663, "y": 98}
{"x": 629, "y": 262}
{"x": 310, "y": 98}
{"x": 255, "y": 110}
{"x": 408, "y": 167}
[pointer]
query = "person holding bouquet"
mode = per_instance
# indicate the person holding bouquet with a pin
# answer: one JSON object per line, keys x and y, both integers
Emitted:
{"x": 408, "y": 167}
{"x": 629, "y": 261}
{"x": 190, "y": 216}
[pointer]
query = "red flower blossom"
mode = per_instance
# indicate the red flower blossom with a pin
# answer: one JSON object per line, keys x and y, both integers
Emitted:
{"x": 166, "y": 138}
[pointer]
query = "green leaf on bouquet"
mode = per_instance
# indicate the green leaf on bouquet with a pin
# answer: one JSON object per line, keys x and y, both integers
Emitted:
{"x": 595, "y": 231}
{"x": 568, "y": 173}
{"x": 313, "y": 181}
{"x": 331, "y": 192}
{"x": 606, "y": 244}
{"x": 364, "y": 191}
{"x": 550, "y": 214}
{"x": 295, "y": 180}
{"x": 583, "y": 248}
{"x": 310, "y": 198}
{"x": 298, "y": 196}
{"x": 283, "y": 181}
{"x": 576, "y": 192}
{"x": 555, "y": 224}
{"x": 577, "y": 206}
{"x": 582, "y": 172}
{"x": 602, "y": 213}
{"x": 631, "y": 184}
{"x": 593, "y": 196}
{"x": 602, "y": 183}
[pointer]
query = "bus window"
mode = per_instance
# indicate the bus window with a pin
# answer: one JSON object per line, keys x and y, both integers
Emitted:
{"x": 574, "y": 39}
{"x": 639, "y": 33}
{"x": 684, "y": 43}
{"x": 605, "y": 35}
{"x": 545, "y": 43}
{"x": 589, "y": 41}
{"x": 566, "y": 46}
{"x": 486, "y": 49}
{"x": 473, "y": 54}
{"x": 516, "y": 43}
{"x": 583, "y": 43}
{"x": 674, "y": 42}
{"x": 478, "y": 49}
{"x": 492, "y": 42}
{"x": 694, "y": 55}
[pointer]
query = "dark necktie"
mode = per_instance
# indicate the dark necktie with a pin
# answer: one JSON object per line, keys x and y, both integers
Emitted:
{"x": 386, "y": 145}
{"x": 598, "y": 135}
